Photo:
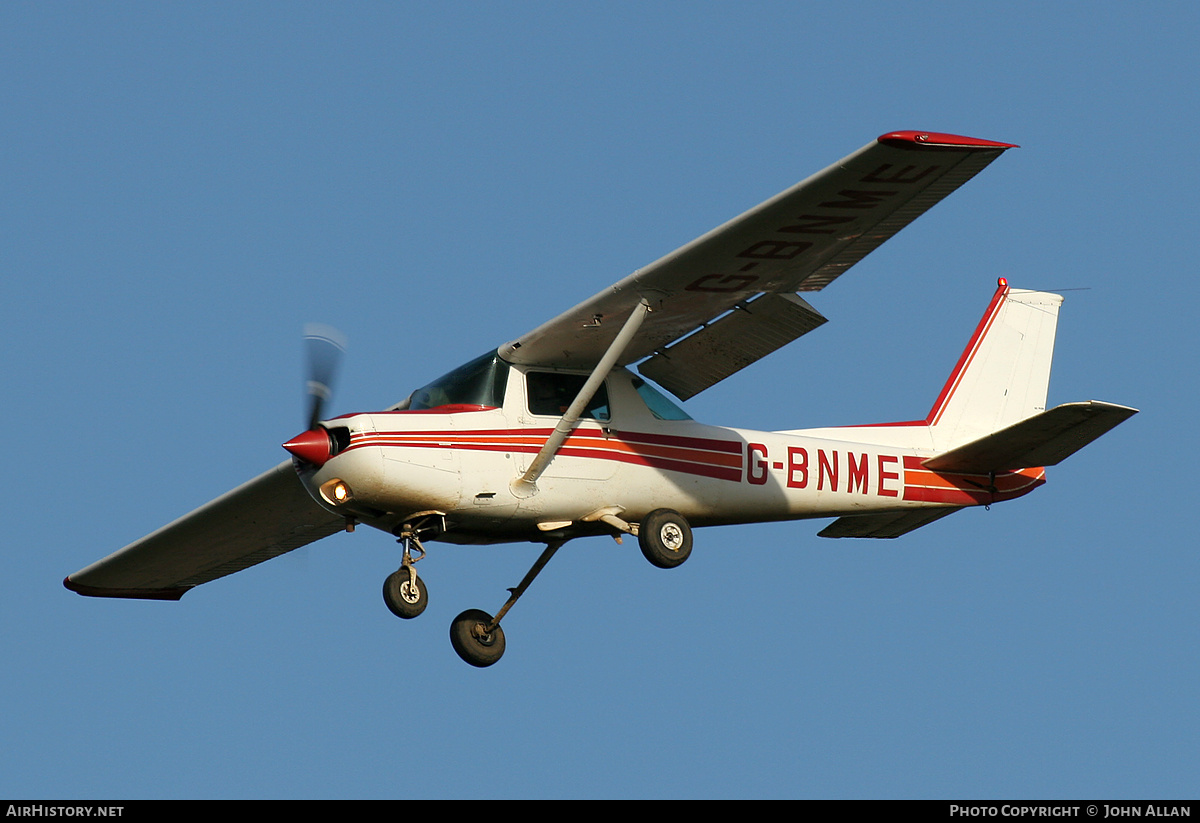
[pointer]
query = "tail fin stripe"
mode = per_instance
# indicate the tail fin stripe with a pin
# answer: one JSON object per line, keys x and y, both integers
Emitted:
{"x": 989, "y": 316}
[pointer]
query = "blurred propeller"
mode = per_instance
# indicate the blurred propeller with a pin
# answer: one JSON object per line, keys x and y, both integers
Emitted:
{"x": 325, "y": 346}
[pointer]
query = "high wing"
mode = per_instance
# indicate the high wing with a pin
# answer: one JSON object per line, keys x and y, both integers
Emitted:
{"x": 729, "y": 297}
{"x": 263, "y": 518}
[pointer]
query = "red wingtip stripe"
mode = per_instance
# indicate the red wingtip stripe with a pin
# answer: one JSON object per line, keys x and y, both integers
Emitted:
{"x": 931, "y": 138}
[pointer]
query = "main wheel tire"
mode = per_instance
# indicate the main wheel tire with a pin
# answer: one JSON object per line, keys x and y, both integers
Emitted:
{"x": 402, "y": 599}
{"x": 665, "y": 538}
{"x": 480, "y": 650}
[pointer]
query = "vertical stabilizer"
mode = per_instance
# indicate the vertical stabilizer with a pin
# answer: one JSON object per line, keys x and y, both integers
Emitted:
{"x": 1004, "y": 373}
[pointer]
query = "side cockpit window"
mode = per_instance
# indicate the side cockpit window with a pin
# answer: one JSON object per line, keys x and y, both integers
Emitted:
{"x": 551, "y": 394}
{"x": 478, "y": 383}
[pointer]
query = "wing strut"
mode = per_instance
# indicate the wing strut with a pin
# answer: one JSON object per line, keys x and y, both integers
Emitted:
{"x": 526, "y": 484}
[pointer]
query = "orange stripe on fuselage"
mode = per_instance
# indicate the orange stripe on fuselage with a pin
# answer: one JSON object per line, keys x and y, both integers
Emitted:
{"x": 700, "y": 451}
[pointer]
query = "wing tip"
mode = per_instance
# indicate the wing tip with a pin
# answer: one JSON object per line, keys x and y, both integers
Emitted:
{"x": 135, "y": 594}
{"x": 930, "y": 138}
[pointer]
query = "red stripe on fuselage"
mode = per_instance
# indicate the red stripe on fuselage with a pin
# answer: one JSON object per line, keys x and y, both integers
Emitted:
{"x": 721, "y": 459}
{"x": 926, "y": 486}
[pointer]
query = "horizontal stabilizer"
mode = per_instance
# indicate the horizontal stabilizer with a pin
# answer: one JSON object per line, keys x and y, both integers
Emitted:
{"x": 1045, "y": 439}
{"x": 887, "y": 525}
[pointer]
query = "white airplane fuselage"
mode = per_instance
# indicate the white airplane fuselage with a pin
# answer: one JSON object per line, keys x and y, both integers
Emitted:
{"x": 461, "y": 461}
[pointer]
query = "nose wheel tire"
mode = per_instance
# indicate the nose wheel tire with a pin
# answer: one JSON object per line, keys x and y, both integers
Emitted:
{"x": 405, "y": 594}
{"x": 665, "y": 538}
{"x": 473, "y": 642}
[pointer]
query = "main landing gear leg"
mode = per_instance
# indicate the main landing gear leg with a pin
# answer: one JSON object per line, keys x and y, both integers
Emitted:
{"x": 476, "y": 636}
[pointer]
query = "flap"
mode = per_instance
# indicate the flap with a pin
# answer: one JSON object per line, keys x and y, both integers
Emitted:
{"x": 732, "y": 342}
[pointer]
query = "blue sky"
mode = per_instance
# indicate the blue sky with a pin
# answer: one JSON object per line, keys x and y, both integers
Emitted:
{"x": 185, "y": 185}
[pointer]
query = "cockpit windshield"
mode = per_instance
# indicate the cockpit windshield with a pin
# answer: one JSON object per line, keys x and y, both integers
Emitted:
{"x": 478, "y": 383}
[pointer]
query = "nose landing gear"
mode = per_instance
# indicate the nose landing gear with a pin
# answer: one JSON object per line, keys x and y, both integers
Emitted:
{"x": 403, "y": 592}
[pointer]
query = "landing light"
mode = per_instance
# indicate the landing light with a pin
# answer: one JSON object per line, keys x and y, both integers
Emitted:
{"x": 336, "y": 491}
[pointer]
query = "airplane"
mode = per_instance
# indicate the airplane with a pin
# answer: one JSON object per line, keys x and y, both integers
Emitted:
{"x": 552, "y": 437}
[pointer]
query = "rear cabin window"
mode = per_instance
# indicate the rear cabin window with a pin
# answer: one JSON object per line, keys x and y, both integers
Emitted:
{"x": 551, "y": 394}
{"x": 658, "y": 403}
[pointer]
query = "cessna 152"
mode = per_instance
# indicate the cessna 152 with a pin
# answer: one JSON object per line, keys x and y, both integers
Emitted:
{"x": 549, "y": 437}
